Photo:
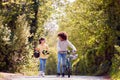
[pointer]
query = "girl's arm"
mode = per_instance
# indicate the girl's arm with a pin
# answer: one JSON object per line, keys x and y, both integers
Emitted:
{"x": 71, "y": 46}
{"x": 37, "y": 48}
{"x": 47, "y": 48}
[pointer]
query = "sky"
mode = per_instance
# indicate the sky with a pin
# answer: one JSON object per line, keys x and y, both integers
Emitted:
{"x": 52, "y": 23}
{"x": 71, "y": 0}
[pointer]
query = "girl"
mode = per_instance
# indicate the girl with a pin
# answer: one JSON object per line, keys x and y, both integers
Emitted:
{"x": 42, "y": 48}
{"x": 62, "y": 45}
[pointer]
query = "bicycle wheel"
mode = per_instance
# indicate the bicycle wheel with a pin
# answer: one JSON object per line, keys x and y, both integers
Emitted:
{"x": 69, "y": 72}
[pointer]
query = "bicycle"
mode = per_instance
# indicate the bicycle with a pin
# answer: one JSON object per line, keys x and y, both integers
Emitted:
{"x": 70, "y": 56}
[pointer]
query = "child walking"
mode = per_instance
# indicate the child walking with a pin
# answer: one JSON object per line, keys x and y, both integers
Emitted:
{"x": 43, "y": 49}
{"x": 62, "y": 47}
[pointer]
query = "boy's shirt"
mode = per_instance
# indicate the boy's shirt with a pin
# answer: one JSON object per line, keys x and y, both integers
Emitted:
{"x": 63, "y": 45}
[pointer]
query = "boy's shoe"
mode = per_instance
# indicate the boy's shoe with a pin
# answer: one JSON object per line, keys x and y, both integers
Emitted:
{"x": 63, "y": 75}
{"x": 58, "y": 74}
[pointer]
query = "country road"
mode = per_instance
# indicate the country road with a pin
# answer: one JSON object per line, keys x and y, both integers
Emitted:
{"x": 53, "y": 77}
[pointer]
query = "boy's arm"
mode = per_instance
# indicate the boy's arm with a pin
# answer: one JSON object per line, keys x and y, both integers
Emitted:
{"x": 71, "y": 46}
{"x": 58, "y": 46}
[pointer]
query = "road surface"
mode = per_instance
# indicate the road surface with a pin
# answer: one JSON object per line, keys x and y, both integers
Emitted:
{"x": 53, "y": 77}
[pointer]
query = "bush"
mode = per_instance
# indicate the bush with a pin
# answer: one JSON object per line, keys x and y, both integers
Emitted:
{"x": 115, "y": 68}
{"x": 4, "y": 45}
{"x": 51, "y": 66}
{"x": 16, "y": 51}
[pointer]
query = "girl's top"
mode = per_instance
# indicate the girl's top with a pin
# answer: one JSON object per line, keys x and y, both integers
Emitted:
{"x": 63, "y": 45}
{"x": 40, "y": 48}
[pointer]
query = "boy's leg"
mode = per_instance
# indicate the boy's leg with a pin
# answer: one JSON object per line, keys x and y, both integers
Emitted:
{"x": 58, "y": 64}
{"x": 63, "y": 63}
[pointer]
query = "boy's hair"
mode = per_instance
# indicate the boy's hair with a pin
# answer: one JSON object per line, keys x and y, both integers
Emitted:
{"x": 63, "y": 35}
{"x": 41, "y": 39}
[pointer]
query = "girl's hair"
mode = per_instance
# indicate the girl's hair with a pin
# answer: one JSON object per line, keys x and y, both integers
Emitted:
{"x": 41, "y": 39}
{"x": 63, "y": 35}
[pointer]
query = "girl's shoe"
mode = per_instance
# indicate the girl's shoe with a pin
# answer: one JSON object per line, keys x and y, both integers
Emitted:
{"x": 40, "y": 73}
{"x": 43, "y": 74}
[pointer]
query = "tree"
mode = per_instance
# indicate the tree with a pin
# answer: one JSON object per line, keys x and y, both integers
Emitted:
{"x": 25, "y": 20}
{"x": 4, "y": 43}
{"x": 88, "y": 25}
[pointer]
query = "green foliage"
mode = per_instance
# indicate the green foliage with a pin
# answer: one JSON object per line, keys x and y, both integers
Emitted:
{"x": 114, "y": 22}
{"x": 20, "y": 44}
{"x": 44, "y": 13}
{"x": 114, "y": 72}
{"x": 4, "y": 43}
{"x": 51, "y": 66}
{"x": 93, "y": 27}
{"x": 37, "y": 12}
{"x": 88, "y": 24}
{"x": 14, "y": 53}
{"x": 21, "y": 23}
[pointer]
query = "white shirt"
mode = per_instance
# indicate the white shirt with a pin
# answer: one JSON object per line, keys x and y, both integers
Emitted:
{"x": 63, "y": 45}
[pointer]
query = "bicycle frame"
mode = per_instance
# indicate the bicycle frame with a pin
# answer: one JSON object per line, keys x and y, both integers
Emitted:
{"x": 69, "y": 57}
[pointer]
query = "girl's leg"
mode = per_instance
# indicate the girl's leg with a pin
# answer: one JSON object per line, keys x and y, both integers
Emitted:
{"x": 40, "y": 67}
{"x": 58, "y": 64}
{"x": 43, "y": 67}
{"x": 41, "y": 64}
{"x": 63, "y": 63}
{"x": 44, "y": 64}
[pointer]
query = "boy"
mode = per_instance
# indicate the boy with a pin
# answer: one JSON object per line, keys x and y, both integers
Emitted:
{"x": 62, "y": 45}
